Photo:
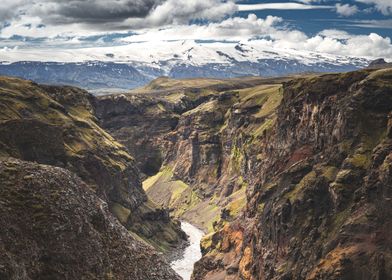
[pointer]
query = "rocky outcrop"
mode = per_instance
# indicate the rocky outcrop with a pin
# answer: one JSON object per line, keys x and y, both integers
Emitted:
{"x": 193, "y": 132}
{"x": 291, "y": 177}
{"x": 139, "y": 122}
{"x": 319, "y": 188}
{"x": 53, "y": 226}
{"x": 379, "y": 63}
{"x": 56, "y": 126}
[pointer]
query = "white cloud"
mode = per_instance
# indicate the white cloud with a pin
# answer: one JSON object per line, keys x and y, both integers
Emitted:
{"x": 115, "y": 14}
{"x": 183, "y": 11}
{"x": 10, "y": 8}
{"x": 346, "y": 10}
{"x": 270, "y": 31}
{"x": 169, "y": 20}
{"x": 387, "y": 23}
{"x": 280, "y": 6}
{"x": 384, "y": 6}
{"x": 236, "y": 28}
{"x": 32, "y": 26}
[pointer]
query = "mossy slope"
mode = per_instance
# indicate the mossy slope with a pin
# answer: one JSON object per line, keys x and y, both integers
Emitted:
{"x": 57, "y": 126}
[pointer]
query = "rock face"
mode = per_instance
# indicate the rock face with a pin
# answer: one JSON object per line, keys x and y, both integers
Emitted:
{"x": 53, "y": 226}
{"x": 292, "y": 177}
{"x": 377, "y": 62}
{"x": 56, "y": 126}
{"x": 320, "y": 188}
{"x": 192, "y": 132}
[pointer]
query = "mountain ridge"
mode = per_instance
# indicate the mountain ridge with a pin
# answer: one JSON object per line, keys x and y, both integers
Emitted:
{"x": 122, "y": 68}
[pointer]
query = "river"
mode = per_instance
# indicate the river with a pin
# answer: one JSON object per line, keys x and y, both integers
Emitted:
{"x": 184, "y": 265}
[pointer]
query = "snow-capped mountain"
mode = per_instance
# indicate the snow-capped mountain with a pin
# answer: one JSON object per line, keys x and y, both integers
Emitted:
{"x": 133, "y": 65}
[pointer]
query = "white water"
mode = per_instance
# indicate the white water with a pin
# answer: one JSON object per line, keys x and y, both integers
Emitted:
{"x": 192, "y": 253}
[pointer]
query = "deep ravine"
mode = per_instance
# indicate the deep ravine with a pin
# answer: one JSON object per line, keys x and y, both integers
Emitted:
{"x": 192, "y": 253}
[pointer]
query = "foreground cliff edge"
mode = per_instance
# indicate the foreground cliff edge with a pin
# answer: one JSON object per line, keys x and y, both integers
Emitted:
{"x": 53, "y": 226}
{"x": 56, "y": 225}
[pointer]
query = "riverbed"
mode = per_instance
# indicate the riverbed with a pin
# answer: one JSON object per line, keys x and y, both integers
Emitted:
{"x": 184, "y": 265}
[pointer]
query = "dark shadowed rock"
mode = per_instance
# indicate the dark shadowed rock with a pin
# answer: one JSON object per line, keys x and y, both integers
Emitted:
{"x": 53, "y": 226}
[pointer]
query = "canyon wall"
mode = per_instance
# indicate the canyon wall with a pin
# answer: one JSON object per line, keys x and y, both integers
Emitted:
{"x": 290, "y": 177}
{"x": 56, "y": 126}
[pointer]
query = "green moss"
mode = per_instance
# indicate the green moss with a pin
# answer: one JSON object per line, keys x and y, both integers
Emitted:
{"x": 37, "y": 206}
{"x": 205, "y": 107}
{"x": 162, "y": 176}
{"x": 345, "y": 146}
{"x": 306, "y": 181}
{"x": 236, "y": 206}
{"x": 275, "y": 96}
{"x": 339, "y": 219}
{"x": 210, "y": 223}
{"x": 329, "y": 172}
{"x": 260, "y": 207}
{"x": 177, "y": 189}
{"x": 360, "y": 160}
{"x": 206, "y": 241}
{"x": 121, "y": 212}
{"x": 270, "y": 185}
{"x": 161, "y": 107}
{"x": 189, "y": 200}
{"x": 236, "y": 158}
{"x": 267, "y": 125}
{"x": 343, "y": 175}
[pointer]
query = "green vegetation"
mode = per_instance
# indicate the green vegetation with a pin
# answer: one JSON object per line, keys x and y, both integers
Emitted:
{"x": 65, "y": 132}
{"x": 359, "y": 160}
{"x": 121, "y": 212}
{"x": 329, "y": 172}
{"x": 306, "y": 181}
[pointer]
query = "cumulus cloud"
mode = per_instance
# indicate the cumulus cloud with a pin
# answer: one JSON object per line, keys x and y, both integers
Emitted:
{"x": 10, "y": 8}
{"x": 91, "y": 11}
{"x": 183, "y": 11}
{"x": 384, "y": 6}
{"x": 116, "y": 14}
{"x": 236, "y": 28}
{"x": 372, "y": 45}
{"x": 271, "y": 31}
{"x": 346, "y": 10}
{"x": 64, "y": 23}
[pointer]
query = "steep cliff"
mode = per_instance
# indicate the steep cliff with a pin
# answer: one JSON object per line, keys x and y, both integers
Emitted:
{"x": 190, "y": 134}
{"x": 57, "y": 126}
{"x": 53, "y": 226}
{"x": 291, "y": 177}
{"x": 319, "y": 193}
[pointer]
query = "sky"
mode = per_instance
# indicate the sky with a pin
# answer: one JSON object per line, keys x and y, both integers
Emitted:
{"x": 357, "y": 27}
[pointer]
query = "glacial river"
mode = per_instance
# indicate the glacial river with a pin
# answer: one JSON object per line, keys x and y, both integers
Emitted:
{"x": 184, "y": 265}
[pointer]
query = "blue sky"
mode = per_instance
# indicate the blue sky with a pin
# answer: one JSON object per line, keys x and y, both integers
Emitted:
{"x": 367, "y": 19}
{"x": 357, "y": 27}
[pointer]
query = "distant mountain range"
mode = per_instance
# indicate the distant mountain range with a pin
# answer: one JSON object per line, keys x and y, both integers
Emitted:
{"x": 125, "y": 67}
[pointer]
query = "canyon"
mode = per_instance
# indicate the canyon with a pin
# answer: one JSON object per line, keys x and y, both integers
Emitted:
{"x": 289, "y": 177}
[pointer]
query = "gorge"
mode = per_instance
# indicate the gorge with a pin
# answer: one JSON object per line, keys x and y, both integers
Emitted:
{"x": 289, "y": 178}
{"x": 283, "y": 174}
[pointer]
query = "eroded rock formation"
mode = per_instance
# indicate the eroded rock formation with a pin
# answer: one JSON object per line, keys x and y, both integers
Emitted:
{"x": 53, "y": 226}
{"x": 307, "y": 159}
{"x": 56, "y": 126}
